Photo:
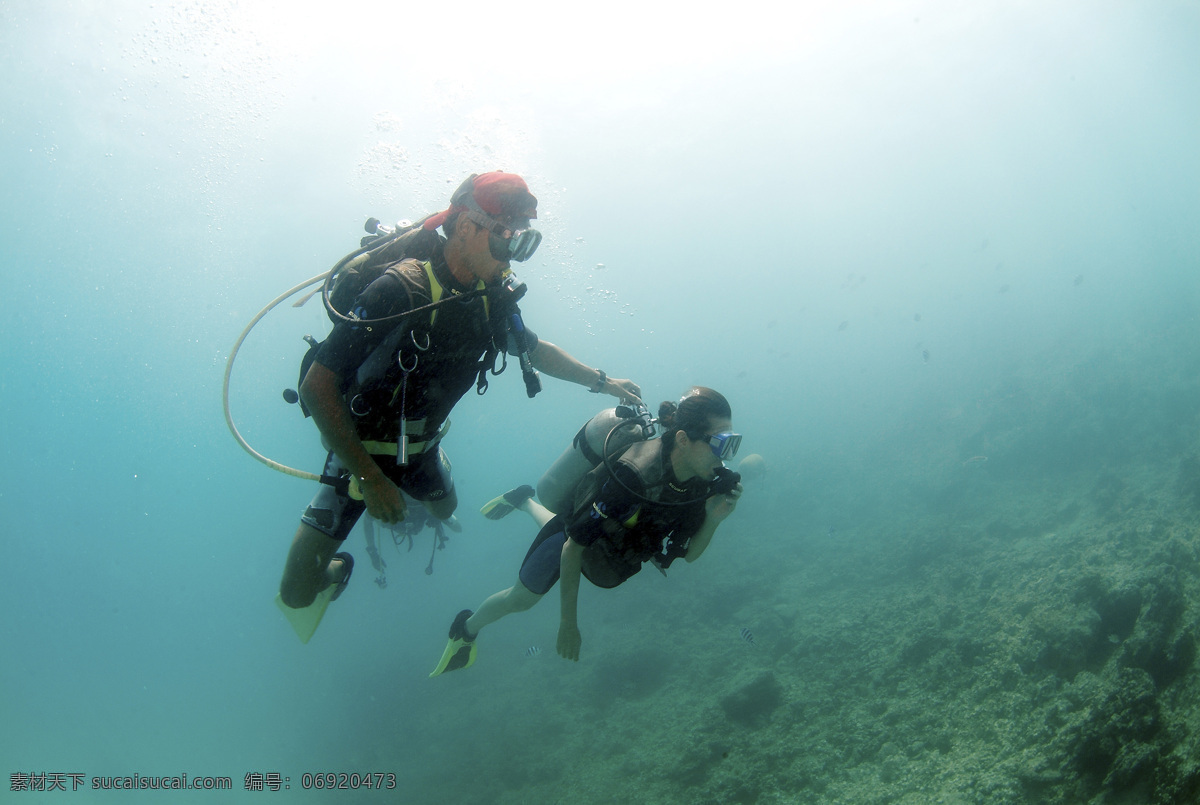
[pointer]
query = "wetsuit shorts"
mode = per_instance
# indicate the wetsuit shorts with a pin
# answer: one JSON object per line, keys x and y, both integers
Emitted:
{"x": 333, "y": 512}
{"x": 540, "y": 570}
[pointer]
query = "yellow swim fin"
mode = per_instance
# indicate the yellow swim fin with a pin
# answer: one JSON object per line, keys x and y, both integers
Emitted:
{"x": 504, "y": 505}
{"x": 305, "y": 620}
{"x": 460, "y": 650}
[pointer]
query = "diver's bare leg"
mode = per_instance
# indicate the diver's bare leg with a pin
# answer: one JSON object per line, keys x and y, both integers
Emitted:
{"x": 310, "y": 567}
{"x": 516, "y": 598}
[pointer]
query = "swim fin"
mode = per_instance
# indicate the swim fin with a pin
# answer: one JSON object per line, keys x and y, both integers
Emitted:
{"x": 460, "y": 649}
{"x": 504, "y": 505}
{"x": 305, "y": 620}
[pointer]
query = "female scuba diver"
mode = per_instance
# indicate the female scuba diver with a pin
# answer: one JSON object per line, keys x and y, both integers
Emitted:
{"x": 655, "y": 501}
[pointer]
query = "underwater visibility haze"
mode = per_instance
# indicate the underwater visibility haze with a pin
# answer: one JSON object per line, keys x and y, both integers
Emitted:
{"x": 942, "y": 259}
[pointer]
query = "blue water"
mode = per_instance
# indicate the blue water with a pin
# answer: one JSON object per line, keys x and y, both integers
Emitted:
{"x": 863, "y": 225}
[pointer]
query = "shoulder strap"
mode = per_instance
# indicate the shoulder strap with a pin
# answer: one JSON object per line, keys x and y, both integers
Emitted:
{"x": 380, "y": 360}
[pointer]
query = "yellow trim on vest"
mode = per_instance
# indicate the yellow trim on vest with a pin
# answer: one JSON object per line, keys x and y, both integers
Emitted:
{"x": 436, "y": 291}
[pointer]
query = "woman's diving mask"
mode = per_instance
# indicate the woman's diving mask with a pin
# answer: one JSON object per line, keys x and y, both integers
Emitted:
{"x": 723, "y": 445}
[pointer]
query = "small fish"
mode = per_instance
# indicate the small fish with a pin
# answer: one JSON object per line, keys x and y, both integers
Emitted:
{"x": 925, "y": 355}
{"x": 974, "y": 460}
{"x": 747, "y": 635}
{"x": 533, "y": 651}
{"x": 829, "y": 532}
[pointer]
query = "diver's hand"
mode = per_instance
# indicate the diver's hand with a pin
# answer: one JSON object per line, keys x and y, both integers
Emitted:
{"x": 626, "y": 390}
{"x": 569, "y": 641}
{"x": 718, "y": 507}
{"x": 383, "y": 498}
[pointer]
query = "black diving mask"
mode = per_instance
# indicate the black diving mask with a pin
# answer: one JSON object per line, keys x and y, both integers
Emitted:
{"x": 506, "y": 243}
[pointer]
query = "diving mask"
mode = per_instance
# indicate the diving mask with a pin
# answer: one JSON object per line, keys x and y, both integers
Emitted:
{"x": 506, "y": 243}
{"x": 724, "y": 445}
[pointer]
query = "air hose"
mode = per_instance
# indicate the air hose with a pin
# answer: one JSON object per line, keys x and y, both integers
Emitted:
{"x": 369, "y": 244}
{"x": 275, "y": 465}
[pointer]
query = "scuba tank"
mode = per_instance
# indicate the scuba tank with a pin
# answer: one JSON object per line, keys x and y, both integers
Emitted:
{"x": 618, "y": 427}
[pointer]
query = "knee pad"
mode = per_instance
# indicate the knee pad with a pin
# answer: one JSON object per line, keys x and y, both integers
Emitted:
{"x": 327, "y": 513}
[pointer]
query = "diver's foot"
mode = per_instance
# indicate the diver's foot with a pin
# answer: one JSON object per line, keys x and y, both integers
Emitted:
{"x": 458, "y": 629}
{"x": 460, "y": 649}
{"x": 347, "y": 569}
{"x": 502, "y": 506}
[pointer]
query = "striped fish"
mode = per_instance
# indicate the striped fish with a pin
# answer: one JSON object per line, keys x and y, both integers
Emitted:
{"x": 533, "y": 651}
{"x": 747, "y": 635}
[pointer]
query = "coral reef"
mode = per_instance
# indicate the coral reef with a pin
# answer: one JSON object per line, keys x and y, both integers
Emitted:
{"x": 953, "y": 662}
{"x": 1016, "y": 631}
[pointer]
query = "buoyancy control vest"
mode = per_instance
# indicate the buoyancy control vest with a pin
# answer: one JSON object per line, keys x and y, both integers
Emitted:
{"x": 381, "y": 249}
{"x": 645, "y": 531}
{"x": 406, "y": 244}
{"x": 402, "y": 393}
{"x": 380, "y": 360}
